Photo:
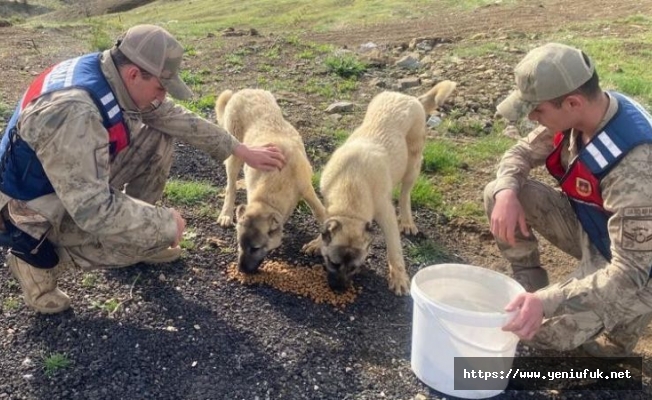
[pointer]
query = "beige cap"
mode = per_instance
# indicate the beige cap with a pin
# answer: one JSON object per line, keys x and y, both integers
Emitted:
{"x": 545, "y": 73}
{"x": 156, "y": 51}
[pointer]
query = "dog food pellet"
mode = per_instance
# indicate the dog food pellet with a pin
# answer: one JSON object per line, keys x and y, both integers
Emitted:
{"x": 304, "y": 281}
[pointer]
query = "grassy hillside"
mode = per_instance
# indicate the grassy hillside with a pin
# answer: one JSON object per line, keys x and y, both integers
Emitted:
{"x": 197, "y": 16}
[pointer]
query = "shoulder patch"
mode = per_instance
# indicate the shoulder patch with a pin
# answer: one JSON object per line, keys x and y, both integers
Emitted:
{"x": 636, "y": 231}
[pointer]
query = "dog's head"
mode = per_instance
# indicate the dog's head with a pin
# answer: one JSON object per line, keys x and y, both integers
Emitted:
{"x": 259, "y": 232}
{"x": 345, "y": 246}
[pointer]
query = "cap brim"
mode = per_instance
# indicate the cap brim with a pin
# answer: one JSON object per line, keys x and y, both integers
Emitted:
{"x": 514, "y": 107}
{"x": 177, "y": 88}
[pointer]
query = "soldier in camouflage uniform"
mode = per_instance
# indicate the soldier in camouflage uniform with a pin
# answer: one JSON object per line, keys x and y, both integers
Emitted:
{"x": 598, "y": 145}
{"x": 87, "y": 155}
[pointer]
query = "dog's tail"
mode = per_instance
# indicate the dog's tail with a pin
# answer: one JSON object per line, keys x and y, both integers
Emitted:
{"x": 436, "y": 96}
{"x": 220, "y": 104}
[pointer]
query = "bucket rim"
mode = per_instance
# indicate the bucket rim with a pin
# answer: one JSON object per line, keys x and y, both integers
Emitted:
{"x": 499, "y": 318}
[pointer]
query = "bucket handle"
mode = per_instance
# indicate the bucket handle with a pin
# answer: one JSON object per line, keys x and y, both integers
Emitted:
{"x": 467, "y": 342}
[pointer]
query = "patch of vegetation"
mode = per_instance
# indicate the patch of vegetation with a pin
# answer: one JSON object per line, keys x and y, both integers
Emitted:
{"x": 340, "y": 88}
{"x": 189, "y": 50}
{"x": 188, "y": 239}
{"x": 10, "y": 303}
{"x": 425, "y": 194}
{"x": 191, "y": 79}
{"x": 440, "y": 157}
{"x": 110, "y": 305}
{"x": 316, "y": 178}
{"x": 318, "y": 15}
{"x": 208, "y": 211}
{"x": 306, "y": 55}
{"x": 188, "y": 193}
{"x": 346, "y": 65}
{"x": 54, "y": 363}
{"x": 426, "y": 252}
{"x": 203, "y": 105}
{"x": 12, "y": 284}
{"x": 89, "y": 280}
{"x": 466, "y": 209}
{"x": 100, "y": 39}
{"x": 487, "y": 148}
{"x": 6, "y": 111}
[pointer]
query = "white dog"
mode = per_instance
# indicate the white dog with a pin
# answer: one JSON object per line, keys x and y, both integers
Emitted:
{"x": 357, "y": 184}
{"x": 254, "y": 118}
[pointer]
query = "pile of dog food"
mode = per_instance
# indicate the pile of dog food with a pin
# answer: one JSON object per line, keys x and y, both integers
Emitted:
{"x": 304, "y": 281}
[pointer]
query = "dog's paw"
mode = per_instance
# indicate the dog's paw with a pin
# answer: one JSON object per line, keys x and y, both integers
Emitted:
{"x": 313, "y": 247}
{"x": 399, "y": 283}
{"x": 408, "y": 228}
{"x": 224, "y": 221}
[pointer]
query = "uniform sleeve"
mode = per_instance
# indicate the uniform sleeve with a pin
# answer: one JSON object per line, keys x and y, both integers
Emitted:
{"x": 72, "y": 145}
{"x": 528, "y": 153}
{"x": 627, "y": 193}
{"x": 192, "y": 129}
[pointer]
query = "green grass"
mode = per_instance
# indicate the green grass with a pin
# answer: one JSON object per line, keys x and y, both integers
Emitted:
{"x": 187, "y": 193}
{"x": 54, "y": 363}
{"x": 345, "y": 65}
{"x": 426, "y": 252}
{"x": 89, "y": 280}
{"x": 188, "y": 239}
{"x": 101, "y": 39}
{"x": 192, "y": 19}
{"x": 203, "y": 105}
{"x": 10, "y": 304}
{"x": 441, "y": 157}
{"x": 426, "y": 194}
{"x": 110, "y": 305}
{"x": 6, "y": 110}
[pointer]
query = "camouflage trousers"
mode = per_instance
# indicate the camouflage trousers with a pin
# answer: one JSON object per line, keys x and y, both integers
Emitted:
{"x": 550, "y": 214}
{"x": 141, "y": 171}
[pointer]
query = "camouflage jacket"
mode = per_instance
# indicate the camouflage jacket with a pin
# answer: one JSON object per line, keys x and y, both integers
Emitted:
{"x": 65, "y": 130}
{"x": 627, "y": 194}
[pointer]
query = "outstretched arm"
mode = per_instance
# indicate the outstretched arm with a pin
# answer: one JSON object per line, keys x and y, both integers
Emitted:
{"x": 266, "y": 158}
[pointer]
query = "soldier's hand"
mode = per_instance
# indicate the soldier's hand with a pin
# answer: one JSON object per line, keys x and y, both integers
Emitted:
{"x": 181, "y": 226}
{"x": 506, "y": 216}
{"x": 528, "y": 318}
{"x": 266, "y": 158}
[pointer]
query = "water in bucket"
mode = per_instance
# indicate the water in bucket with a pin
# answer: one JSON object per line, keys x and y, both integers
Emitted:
{"x": 459, "y": 312}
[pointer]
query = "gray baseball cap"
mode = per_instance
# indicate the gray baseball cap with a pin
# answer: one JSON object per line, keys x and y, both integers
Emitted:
{"x": 545, "y": 73}
{"x": 156, "y": 51}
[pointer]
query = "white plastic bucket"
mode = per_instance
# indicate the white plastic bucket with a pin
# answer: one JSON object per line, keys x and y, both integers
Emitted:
{"x": 459, "y": 312}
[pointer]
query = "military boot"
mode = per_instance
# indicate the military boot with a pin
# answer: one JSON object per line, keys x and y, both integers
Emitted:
{"x": 168, "y": 255}
{"x": 604, "y": 347}
{"x": 39, "y": 286}
{"x": 531, "y": 278}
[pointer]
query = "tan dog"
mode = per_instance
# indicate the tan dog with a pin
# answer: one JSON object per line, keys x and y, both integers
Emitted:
{"x": 357, "y": 184}
{"x": 254, "y": 118}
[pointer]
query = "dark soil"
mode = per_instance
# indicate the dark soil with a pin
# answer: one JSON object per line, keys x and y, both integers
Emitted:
{"x": 183, "y": 331}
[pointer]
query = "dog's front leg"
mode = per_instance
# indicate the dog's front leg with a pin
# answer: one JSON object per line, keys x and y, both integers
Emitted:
{"x": 233, "y": 166}
{"x": 310, "y": 196}
{"x": 398, "y": 279}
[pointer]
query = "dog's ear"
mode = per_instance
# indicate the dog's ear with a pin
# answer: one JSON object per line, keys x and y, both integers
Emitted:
{"x": 275, "y": 221}
{"x": 369, "y": 227}
{"x": 330, "y": 226}
{"x": 239, "y": 211}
